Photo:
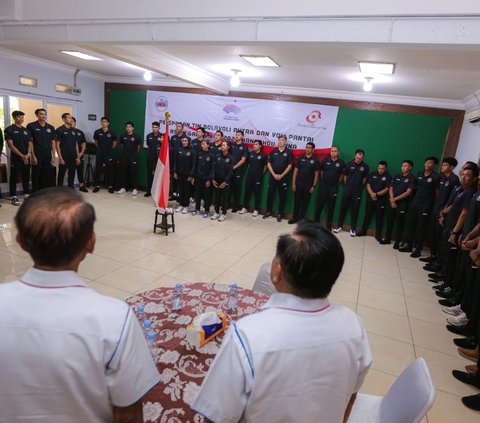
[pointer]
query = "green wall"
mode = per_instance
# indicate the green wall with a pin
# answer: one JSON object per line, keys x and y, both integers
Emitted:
{"x": 383, "y": 135}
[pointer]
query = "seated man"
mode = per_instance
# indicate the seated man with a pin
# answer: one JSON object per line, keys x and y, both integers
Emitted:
{"x": 68, "y": 354}
{"x": 301, "y": 359}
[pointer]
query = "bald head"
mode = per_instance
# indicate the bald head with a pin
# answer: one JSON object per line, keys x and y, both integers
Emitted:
{"x": 55, "y": 225}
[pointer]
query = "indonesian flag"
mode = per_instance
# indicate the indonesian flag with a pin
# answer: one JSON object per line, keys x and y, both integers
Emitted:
{"x": 161, "y": 179}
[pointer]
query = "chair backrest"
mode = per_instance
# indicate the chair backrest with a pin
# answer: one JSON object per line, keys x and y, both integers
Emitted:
{"x": 263, "y": 282}
{"x": 410, "y": 397}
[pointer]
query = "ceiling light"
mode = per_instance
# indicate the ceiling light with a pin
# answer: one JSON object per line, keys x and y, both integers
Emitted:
{"x": 235, "y": 79}
{"x": 367, "y": 86}
{"x": 260, "y": 61}
{"x": 80, "y": 55}
{"x": 375, "y": 67}
{"x": 147, "y": 76}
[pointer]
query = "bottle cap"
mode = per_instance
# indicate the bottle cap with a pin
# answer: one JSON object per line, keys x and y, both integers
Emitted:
{"x": 147, "y": 323}
{"x": 178, "y": 286}
{"x": 140, "y": 308}
{"x": 151, "y": 335}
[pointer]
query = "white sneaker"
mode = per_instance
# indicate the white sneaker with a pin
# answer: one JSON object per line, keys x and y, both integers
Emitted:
{"x": 460, "y": 320}
{"x": 26, "y": 196}
{"x": 134, "y": 192}
{"x": 185, "y": 210}
{"x": 337, "y": 230}
{"x": 352, "y": 232}
{"x": 222, "y": 218}
{"x": 215, "y": 216}
{"x": 192, "y": 200}
{"x": 178, "y": 209}
{"x": 243, "y": 211}
{"x": 255, "y": 213}
{"x": 121, "y": 191}
{"x": 455, "y": 310}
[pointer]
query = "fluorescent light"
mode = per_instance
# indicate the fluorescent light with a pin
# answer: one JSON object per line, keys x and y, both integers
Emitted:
{"x": 147, "y": 76}
{"x": 80, "y": 55}
{"x": 377, "y": 68}
{"x": 260, "y": 61}
{"x": 27, "y": 81}
{"x": 62, "y": 88}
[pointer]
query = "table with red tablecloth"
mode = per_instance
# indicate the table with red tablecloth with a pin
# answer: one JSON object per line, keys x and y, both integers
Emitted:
{"x": 183, "y": 367}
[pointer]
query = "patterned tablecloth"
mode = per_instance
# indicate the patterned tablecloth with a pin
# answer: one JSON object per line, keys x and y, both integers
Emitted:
{"x": 181, "y": 366}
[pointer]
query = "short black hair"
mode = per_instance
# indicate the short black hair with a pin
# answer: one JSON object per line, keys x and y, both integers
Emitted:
{"x": 37, "y": 111}
{"x": 201, "y": 128}
{"x": 432, "y": 158}
{"x": 220, "y": 132}
{"x": 239, "y": 131}
{"x": 283, "y": 136}
{"x": 156, "y": 123}
{"x": 452, "y": 161}
{"x": 129, "y": 122}
{"x": 105, "y": 118}
{"x": 359, "y": 150}
{"x": 335, "y": 146}
{"x": 64, "y": 115}
{"x": 75, "y": 120}
{"x": 179, "y": 123}
{"x": 383, "y": 163}
{"x": 473, "y": 167}
{"x": 409, "y": 162}
{"x": 55, "y": 225}
{"x": 259, "y": 141}
{"x": 311, "y": 258}
{"x": 311, "y": 144}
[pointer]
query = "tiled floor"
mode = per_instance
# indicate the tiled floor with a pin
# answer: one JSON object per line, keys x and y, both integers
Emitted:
{"x": 389, "y": 290}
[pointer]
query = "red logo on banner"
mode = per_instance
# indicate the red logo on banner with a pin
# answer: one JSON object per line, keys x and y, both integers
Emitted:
{"x": 161, "y": 104}
{"x": 314, "y": 116}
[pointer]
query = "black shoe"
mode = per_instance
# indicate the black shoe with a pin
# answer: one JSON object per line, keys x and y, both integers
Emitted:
{"x": 385, "y": 242}
{"x": 430, "y": 259}
{"x": 279, "y": 217}
{"x": 292, "y": 221}
{"x": 362, "y": 233}
{"x": 432, "y": 267}
{"x": 267, "y": 215}
{"x": 83, "y": 189}
{"x": 405, "y": 249}
{"x": 472, "y": 402}
{"x": 445, "y": 292}
{"x": 96, "y": 189}
{"x": 447, "y": 302}
{"x": 172, "y": 198}
{"x": 416, "y": 254}
{"x": 460, "y": 330}
{"x": 439, "y": 287}
{"x": 378, "y": 238}
{"x": 234, "y": 210}
{"x": 436, "y": 275}
{"x": 147, "y": 194}
{"x": 468, "y": 378}
{"x": 110, "y": 190}
{"x": 396, "y": 246}
{"x": 469, "y": 342}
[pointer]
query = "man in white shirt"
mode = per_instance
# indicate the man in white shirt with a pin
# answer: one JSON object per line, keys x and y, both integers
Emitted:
{"x": 301, "y": 359}
{"x": 68, "y": 354}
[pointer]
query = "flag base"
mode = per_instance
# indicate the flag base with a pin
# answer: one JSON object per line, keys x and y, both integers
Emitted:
{"x": 164, "y": 226}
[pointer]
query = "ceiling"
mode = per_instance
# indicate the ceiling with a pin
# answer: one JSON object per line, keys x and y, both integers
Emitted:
{"x": 449, "y": 73}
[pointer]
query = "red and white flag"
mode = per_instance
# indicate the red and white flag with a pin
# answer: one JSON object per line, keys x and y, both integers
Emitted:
{"x": 161, "y": 179}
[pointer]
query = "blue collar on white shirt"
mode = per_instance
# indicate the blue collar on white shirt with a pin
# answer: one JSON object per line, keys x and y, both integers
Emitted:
{"x": 294, "y": 303}
{"x": 47, "y": 279}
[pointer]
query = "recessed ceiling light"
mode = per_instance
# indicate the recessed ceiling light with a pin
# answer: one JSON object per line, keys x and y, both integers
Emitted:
{"x": 80, "y": 55}
{"x": 377, "y": 68}
{"x": 260, "y": 61}
{"x": 147, "y": 75}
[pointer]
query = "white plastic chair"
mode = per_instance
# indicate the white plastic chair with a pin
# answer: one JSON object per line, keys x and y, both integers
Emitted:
{"x": 263, "y": 282}
{"x": 407, "y": 401}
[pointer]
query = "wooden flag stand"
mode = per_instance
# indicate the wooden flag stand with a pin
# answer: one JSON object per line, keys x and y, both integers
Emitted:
{"x": 164, "y": 226}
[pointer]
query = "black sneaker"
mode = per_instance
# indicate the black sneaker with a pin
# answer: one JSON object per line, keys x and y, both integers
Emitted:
{"x": 292, "y": 221}
{"x": 362, "y": 233}
{"x": 147, "y": 194}
{"x": 267, "y": 215}
{"x": 396, "y": 246}
{"x": 385, "y": 242}
{"x": 110, "y": 190}
{"x": 448, "y": 302}
{"x": 15, "y": 201}
{"x": 83, "y": 189}
{"x": 234, "y": 210}
{"x": 96, "y": 189}
{"x": 428, "y": 259}
{"x": 406, "y": 249}
{"x": 279, "y": 217}
{"x": 416, "y": 254}
{"x": 460, "y": 330}
{"x": 469, "y": 342}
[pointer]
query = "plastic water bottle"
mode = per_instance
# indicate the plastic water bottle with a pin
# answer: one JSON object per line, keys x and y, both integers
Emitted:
{"x": 233, "y": 296}
{"x": 178, "y": 297}
{"x": 152, "y": 344}
{"x": 147, "y": 326}
{"x": 140, "y": 313}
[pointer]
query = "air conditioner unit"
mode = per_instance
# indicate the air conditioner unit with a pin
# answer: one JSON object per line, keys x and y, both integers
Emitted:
{"x": 473, "y": 116}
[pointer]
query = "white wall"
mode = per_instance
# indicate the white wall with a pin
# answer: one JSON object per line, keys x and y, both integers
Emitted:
{"x": 91, "y": 101}
{"x": 469, "y": 144}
